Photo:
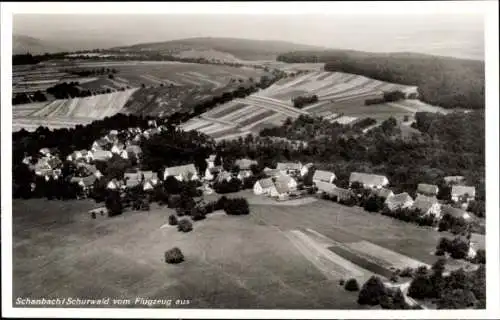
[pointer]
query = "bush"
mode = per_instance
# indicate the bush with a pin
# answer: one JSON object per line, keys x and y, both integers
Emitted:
{"x": 480, "y": 257}
{"x": 174, "y": 256}
{"x": 221, "y": 203}
{"x": 184, "y": 225}
{"x": 172, "y": 220}
{"x": 406, "y": 272}
{"x": 237, "y": 206}
{"x": 341, "y": 282}
{"x": 351, "y": 285}
{"x": 372, "y": 292}
{"x": 198, "y": 213}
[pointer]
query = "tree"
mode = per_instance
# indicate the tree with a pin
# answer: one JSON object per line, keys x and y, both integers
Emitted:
{"x": 421, "y": 287}
{"x": 114, "y": 204}
{"x": 459, "y": 248}
{"x": 172, "y": 220}
{"x": 480, "y": 256}
{"x": 174, "y": 256}
{"x": 236, "y": 206}
{"x": 439, "y": 266}
{"x": 372, "y": 292}
{"x": 351, "y": 285}
{"x": 456, "y": 299}
{"x": 184, "y": 225}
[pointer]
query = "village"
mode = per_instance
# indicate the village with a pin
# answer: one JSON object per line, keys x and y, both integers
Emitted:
{"x": 288, "y": 181}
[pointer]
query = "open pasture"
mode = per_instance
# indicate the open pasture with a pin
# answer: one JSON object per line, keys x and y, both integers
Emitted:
{"x": 58, "y": 250}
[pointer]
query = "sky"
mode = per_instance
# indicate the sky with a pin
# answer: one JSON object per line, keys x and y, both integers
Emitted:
{"x": 452, "y": 34}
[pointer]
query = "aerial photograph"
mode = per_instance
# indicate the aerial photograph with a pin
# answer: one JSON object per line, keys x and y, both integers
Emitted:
{"x": 217, "y": 161}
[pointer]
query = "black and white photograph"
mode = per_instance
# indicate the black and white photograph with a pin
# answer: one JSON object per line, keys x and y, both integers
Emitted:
{"x": 235, "y": 158}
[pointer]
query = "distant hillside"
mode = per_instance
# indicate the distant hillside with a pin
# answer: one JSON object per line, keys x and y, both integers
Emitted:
{"x": 444, "y": 81}
{"x": 22, "y": 44}
{"x": 244, "y": 49}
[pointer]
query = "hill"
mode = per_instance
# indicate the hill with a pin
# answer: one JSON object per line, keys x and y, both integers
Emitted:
{"x": 245, "y": 49}
{"x": 22, "y": 44}
{"x": 447, "y": 82}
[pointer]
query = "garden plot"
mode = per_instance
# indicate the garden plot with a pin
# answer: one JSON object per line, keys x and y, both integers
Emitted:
{"x": 391, "y": 258}
{"x": 333, "y": 266}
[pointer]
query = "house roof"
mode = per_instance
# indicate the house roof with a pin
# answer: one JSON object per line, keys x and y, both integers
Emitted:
{"x": 422, "y": 197}
{"x": 149, "y": 175}
{"x": 102, "y": 154}
{"x": 132, "y": 183}
{"x": 132, "y": 176}
{"x": 54, "y": 162}
{"x": 283, "y": 178}
{"x": 211, "y": 157}
{"x": 454, "y": 212}
{"x": 281, "y": 187}
{"x": 449, "y": 179}
{"x": 87, "y": 181}
{"x": 266, "y": 183}
{"x": 325, "y": 186}
{"x": 323, "y": 175}
{"x": 272, "y": 172}
{"x": 134, "y": 149}
{"x": 244, "y": 163}
{"x": 427, "y": 188}
{"x": 288, "y": 166}
{"x": 383, "y": 192}
{"x": 399, "y": 199}
{"x": 424, "y": 204}
{"x": 463, "y": 190}
{"x": 181, "y": 170}
{"x": 366, "y": 178}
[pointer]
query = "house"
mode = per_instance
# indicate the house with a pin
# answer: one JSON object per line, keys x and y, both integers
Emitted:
{"x": 399, "y": 201}
{"x": 455, "y": 212}
{"x": 324, "y": 176}
{"x": 427, "y": 189}
{"x": 281, "y": 189}
{"x": 27, "y": 160}
{"x": 463, "y": 194}
{"x": 101, "y": 144}
{"x": 243, "y": 174}
{"x": 90, "y": 169}
{"x": 383, "y": 193}
{"x": 99, "y": 211}
{"x": 306, "y": 169}
{"x": 114, "y": 185}
{"x": 451, "y": 180}
{"x": 245, "y": 164}
{"x": 102, "y": 155}
{"x": 272, "y": 172}
{"x": 134, "y": 150}
{"x": 132, "y": 179}
{"x": 211, "y": 173}
{"x": 211, "y": 161}
{"x": 150, "y": 180}
{"x": 287, "y": 168}
{"x": 427, "y": 206}
{"x": 342, "y": 194}
{"x": 118, "y": 148}
{"x": 224, "y": 176}
{"x": 287, "y": 180}
{"x": 263, "y": 186}
{"x": 370, "y": 181}
{"x": 54, "y": 162}
{"x": 113, "y": 133}
{"x": 45, "y": 152}
{"x": 182, "y": 173}
{"x": 152, "y": 123}
{"x": 325, "y": 187}
{"x": 86, "y": 183}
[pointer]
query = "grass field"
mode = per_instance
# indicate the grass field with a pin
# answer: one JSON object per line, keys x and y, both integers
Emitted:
{"x": 280, "y": 256}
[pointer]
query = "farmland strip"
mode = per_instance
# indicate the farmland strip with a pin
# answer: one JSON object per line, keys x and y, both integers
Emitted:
{"x": 234, "y": 116}
{"x": 225, "y": 109}
{"x": 262, "y": 114}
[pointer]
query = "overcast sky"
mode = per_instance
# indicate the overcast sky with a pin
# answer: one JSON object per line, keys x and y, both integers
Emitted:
{"x": 370, "y": 32}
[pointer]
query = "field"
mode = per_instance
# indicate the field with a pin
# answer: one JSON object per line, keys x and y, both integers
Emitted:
{"x": 152, "y": 88}
{"x": 280, "y": 256}
{"x": 68, "y": 112}
{"x": 341, "y": 99}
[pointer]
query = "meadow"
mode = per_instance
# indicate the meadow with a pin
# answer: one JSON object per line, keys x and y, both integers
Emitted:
{"x": 279, "y": 256}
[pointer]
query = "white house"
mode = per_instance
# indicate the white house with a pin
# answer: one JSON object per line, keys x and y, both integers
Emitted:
{"x": 463, "y": 194}
{"x": 370, "y": 181}
{"x": 286, "y": 180}
{"x": 182, "y": 173}
{"x": 427, "y": 206}
{"x": 288, "y": 168}
{"x": 102, "y": 155}
{"x": 324, "y": 176}
{"x": 263, "y": 186}
{"x": 118, "y": 148}
{"x": 211, "y": 161}
{"x": 399, "y": 201}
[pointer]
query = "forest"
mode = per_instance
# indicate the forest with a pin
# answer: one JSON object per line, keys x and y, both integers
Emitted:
{"x": 443, "y": 81}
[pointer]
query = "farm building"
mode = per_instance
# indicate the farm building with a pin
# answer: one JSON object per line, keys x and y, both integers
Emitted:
{"x": 370, "y": 181}
{"x": 272, "y": 172}
{"x": 243, "y": 174}
{"x": 132, "y": 179}
{"x": 463, "y": 194}
{"x": 211, "y": 173}
{"x": 287, "y": 180}
{"x": 224, "y": 176}
{"x": 324, "y": 176}
{"x": 101, "y": 144}
{"x": 325, "y": 187}
{"x": 342, "y": 194}
{"x": 451, "y": 180}
{"x": 81, "y": 154}
{"x": 399, "y": 201}
{"x": 281, "y": 189}
{"x": 245, "y": 164}
{"x": 427, "y": 206}
{"x": 182, "y": 173}
{"x": 149, "y": 175}
{"x": 455, "y": 212}
{"x": 85, "y": 183}
{"x": 134, "y": 150}
{"x": 114, "y": 185}
{"x": 102, "y": 155}
{"x": 427, "y": 189}
{"x": 118, "y": 148}
{"x": 45, "y": 152}
{"x": 263, "y": 186}
{"x": 383, "y": 193}
{"x": 289, "y": 167}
